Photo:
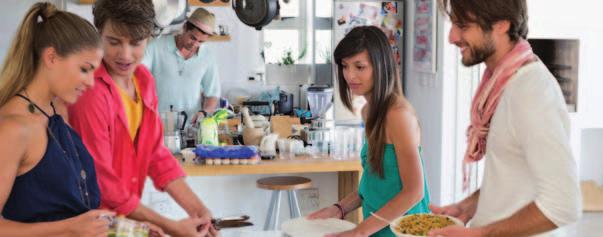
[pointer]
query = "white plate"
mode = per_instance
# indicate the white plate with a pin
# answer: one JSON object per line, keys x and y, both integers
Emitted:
{"x": 301, "y": 227}
{"x": 394, "y": 224}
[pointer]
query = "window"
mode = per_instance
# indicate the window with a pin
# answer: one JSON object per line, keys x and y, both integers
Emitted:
{"x": 304, "y": 31}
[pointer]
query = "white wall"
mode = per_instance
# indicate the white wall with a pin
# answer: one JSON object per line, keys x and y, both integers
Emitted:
{"x": 426, "y": 92}
{"x": 591, "y": 162}
{"x": 580, "y": 19}
{"x": 11, "y": 14}
{"x": 239, "y": 58}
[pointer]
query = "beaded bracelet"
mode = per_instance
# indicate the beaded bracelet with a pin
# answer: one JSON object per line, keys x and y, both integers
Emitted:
{"x": 340, "y": 209}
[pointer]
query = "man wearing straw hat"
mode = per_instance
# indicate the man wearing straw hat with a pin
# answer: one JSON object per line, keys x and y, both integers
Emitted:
{"x": 185, "y": 71}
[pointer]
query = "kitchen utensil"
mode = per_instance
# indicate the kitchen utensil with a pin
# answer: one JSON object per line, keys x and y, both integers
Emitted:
{"x": 283, "y": 125}
{"x": 285, "y": 103}
{"x": 320, "y": 134}
{"x": 247, "y": 118}
{"x": 172, "y": 141}
{"x": 173, "y": 120}
{"x": 320, "y": 99}
{"x": 268, "y": 146}
{"x": 253, "y": 136}
{"x": 256, "y": 13}
{"x": 260, "y": 107}
{"x": 168, "y": 12}
{"x": 261, "y": 121}
{"x": 231, "y": 222}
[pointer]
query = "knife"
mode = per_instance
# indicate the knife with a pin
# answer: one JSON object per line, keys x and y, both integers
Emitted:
{"x": 231, "y": 222}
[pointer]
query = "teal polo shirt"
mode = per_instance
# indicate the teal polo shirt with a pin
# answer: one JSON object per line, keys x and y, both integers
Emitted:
{"x": 181, "y": 82}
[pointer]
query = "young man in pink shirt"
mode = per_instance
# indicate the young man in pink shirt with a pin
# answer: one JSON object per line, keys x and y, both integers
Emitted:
{"x": 120, "y": 125}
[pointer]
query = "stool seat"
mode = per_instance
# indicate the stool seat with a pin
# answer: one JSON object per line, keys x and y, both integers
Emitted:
{"x": 278, "y": 184}
{"x": 284, "y": 183}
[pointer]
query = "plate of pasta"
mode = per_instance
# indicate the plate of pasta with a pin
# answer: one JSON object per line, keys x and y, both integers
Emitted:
{"x": 417, "y": 225}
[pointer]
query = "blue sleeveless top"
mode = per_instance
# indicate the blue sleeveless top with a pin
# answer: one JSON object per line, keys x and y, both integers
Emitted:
{"x": 375, "y": 191}
{"x": 56, "y": 188}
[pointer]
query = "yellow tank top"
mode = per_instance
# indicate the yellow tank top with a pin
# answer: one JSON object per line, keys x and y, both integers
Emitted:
{"x": 133, "y": 108}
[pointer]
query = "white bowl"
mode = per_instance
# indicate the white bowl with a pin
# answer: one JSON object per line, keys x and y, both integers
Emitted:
{"x": 394, "y": 224}
{"x": 302, "y": 227}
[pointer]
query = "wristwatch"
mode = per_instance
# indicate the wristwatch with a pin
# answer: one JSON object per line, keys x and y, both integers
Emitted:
{"x": 204, "y": 113}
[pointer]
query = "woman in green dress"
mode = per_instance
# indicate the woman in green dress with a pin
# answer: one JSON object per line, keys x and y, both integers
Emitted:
{"x": 393, "y": 183}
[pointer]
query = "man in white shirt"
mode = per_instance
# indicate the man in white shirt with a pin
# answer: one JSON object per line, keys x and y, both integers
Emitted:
{"x": 519, "y": 125}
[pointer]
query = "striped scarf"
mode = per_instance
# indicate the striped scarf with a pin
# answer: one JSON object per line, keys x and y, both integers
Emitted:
{"x": 486, "y": 100}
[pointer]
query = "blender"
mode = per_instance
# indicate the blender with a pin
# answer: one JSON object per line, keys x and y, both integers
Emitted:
{"x": 320, "y": 132}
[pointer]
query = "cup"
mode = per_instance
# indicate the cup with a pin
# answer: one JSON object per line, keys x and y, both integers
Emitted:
{"x": 284, "y": 148}
{"x": 188, "y": 155}
{"x": 297, "y": 146}
{"x": 172, "y": 141}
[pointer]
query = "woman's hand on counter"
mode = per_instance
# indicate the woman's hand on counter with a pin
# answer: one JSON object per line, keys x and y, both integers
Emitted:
{"x": 325, "y": 213}
{"x": 91, "y": 223}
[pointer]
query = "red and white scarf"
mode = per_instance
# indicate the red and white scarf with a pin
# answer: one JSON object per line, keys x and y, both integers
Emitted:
{"x": 486, "y": 100}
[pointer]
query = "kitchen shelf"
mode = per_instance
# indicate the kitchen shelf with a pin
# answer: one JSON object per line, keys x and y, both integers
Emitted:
{"x": 215, "y": 3}
{"x": 348, "y": 172}
{"x": 219, "y": 38}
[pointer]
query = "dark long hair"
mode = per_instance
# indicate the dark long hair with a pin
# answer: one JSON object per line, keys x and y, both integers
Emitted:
{"x": 387, "y": 85}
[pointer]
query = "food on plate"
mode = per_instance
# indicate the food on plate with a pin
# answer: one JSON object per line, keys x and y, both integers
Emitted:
{"x": 421, "y": 224}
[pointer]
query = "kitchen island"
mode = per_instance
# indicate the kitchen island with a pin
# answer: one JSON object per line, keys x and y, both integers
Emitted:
{"x": 348, "y": 171}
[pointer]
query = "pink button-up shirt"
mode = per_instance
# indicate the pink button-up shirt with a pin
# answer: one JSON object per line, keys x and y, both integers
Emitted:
{"x": 122, "y": 165}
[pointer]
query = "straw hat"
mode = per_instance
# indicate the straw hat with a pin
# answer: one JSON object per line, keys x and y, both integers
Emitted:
{"x": 204, "y": 20}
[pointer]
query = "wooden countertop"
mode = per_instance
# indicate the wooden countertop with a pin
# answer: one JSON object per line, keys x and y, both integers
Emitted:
{"x": 300, "y": 164}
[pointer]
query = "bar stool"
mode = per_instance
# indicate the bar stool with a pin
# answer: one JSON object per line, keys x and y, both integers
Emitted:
{"x": 282, "y": 183}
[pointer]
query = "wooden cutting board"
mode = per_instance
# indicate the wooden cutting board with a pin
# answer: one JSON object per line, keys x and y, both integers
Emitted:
{"x": 281, "y": 125}
{"x": 592, "y": 195}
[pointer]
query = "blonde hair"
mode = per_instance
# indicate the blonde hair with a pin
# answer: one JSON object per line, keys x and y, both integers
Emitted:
{"x": 43, "y": 26}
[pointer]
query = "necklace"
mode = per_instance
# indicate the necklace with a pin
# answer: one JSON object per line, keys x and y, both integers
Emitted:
{"x": 82, "y": 185}
{"x": 81, "y": 180}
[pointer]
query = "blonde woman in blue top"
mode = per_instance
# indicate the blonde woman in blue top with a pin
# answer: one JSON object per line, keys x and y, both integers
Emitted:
{"x": 48, "y": 183}
{"x": 393, "y": 183}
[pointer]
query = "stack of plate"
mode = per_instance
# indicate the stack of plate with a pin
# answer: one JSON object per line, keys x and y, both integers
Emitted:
{"x": 301, "y": 227}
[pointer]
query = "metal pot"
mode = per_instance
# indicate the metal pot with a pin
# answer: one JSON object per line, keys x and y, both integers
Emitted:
{"x": 256, "y": 13}
{"x": 285, "y": 103}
